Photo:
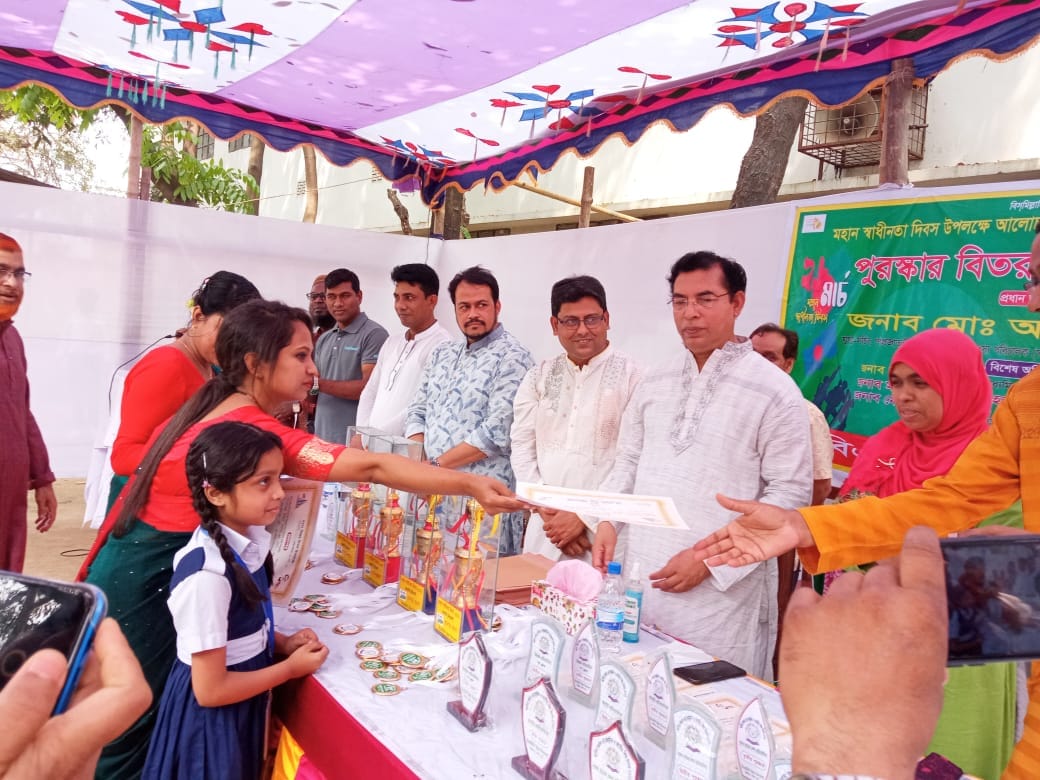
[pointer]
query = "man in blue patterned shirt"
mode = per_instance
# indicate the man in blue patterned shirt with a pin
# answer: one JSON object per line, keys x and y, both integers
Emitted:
{"x": 463, "y": 409}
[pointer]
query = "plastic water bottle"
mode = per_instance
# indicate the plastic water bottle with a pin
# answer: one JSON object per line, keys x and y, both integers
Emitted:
{"x": 633, "y": 604}
{"x": 610, "y": 610}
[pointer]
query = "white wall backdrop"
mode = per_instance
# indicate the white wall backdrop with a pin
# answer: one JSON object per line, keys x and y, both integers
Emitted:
{"x": 110, "y": 276}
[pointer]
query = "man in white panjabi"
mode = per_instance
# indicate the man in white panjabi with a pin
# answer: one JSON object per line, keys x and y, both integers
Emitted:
{"x": 717, "y": 418}
{"x": 385, "y": 399}
{"x": 567, "y": 413}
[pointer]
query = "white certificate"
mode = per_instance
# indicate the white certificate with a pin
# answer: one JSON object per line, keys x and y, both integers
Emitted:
{"x": 654, "y": 511}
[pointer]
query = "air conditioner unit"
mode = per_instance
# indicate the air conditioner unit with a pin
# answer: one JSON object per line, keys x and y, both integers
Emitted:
{"x": 850, "y": 136}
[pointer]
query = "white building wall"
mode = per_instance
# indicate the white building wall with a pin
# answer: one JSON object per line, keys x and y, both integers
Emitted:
{"x": 983, "y": 125}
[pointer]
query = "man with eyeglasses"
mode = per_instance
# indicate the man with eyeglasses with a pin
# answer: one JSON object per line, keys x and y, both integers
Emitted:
{"x": 24, "y": 464}
{"x": 319, "y": 312}
{"x": 567, "y": 413}
{"x": 345, "y": 356}
{"x": 716, "y": 418}
{"x": 390, "y": 389}
{"x": 463, "y": 408}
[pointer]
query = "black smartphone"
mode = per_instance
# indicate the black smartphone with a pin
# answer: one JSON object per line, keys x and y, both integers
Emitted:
{"x": 993, "y": 598}
{"x": 713, "y": 671}
{"x": 37, "y": 614}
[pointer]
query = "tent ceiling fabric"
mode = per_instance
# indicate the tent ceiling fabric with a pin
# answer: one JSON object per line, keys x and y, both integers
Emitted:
{"x": 464, "y": 92}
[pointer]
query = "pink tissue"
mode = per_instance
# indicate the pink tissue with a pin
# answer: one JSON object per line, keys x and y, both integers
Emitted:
{"x": 577, "y": 579}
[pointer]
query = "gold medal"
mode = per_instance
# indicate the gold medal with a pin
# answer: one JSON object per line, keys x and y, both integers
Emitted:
{"x": 367, "y": 653}
{"x": 386, "y": 689}
{"x": 369, "y": 643}
{"x": 347, "y": 629}
{"x": 421, "y": 676}
{"x": 387, "y": 674}
{"x": 299, "y": 605}
{"x": 333, "y": 578}
{"x": 413, "y": 660}
{"x": 328, "y": 614}
{"x": 372, "y": 665}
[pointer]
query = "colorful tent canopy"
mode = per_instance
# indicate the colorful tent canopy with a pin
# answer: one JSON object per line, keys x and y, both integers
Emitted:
{"x": 464, "y": 92}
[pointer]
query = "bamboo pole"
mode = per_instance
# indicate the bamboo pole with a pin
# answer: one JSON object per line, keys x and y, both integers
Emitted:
{"x": 573, "y": 202}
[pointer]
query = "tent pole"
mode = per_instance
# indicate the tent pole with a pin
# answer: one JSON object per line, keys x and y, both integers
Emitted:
{"x": 585, "y": 215}
{"x": 572, "y": 202}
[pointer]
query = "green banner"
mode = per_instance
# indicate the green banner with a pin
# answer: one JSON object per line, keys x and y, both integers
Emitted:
{"x": 865, "y": 277}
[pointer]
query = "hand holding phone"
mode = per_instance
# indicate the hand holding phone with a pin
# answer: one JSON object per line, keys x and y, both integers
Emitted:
{"x": 993, "y": 598}
{"x": 111, "y": 695}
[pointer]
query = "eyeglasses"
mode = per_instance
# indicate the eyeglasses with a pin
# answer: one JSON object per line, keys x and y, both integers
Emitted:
{"x": 702, "y": 301}
{"x": 590, "y": 321}
{"x": 315, "y": 296}
{"x": 18, "y": 274}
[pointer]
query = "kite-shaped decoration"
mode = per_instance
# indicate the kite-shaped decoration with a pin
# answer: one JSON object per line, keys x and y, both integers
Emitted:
{"x": 254, "y": 30}
{"x": 476, "y": 140}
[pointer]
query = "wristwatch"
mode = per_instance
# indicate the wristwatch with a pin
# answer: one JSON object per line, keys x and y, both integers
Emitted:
{"x": 434, "y": 462}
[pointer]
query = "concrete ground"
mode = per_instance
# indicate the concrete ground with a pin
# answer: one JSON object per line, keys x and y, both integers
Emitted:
{"x": 59, "y": 553}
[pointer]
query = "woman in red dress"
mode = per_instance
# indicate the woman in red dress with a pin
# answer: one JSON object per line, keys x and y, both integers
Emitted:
{"x": 166, "y": 377}
{"x": 264, "y": 350}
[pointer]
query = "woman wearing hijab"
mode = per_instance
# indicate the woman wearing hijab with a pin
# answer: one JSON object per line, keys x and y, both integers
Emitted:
{"x": 943, "y": 398}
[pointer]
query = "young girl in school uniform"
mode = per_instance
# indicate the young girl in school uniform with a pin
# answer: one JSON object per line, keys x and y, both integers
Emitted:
{"x": 213, "y": 712}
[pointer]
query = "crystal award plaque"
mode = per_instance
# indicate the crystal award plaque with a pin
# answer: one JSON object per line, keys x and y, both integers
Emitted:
{"x": 546, "y": 648}
{"x": 585, "y": 665}
{"x": 474, "y": 683}
{"x": 755, "y": 742}
{"x": 543, "y": 719}
{"x": 695, "y": 749}
{"x": 617, "y": 692}
{"x": 659, "y": 697}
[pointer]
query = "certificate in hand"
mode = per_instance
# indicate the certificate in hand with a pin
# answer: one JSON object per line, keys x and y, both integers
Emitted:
{"x": 653, "y": 511}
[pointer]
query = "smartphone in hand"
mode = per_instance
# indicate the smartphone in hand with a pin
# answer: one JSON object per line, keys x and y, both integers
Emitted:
{"x": 36, "y": 614}
{"x": 993, "y": 598}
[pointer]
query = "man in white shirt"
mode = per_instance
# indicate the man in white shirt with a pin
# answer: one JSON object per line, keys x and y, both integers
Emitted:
{"x": 385, "y": 399}
{"x": 716, "y": 416}
{"x": 567, "y": 413}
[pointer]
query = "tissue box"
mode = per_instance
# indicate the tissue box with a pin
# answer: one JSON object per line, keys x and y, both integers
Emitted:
{"x": 557, "y": 604}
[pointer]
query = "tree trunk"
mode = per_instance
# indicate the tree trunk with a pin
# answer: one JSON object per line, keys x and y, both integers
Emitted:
{"x": 400, "y": 210}
{"x": 133, "y": 174}
{"x": 895, "y": 132}
{"x": 454, "y": 213}
{"x": 310, "y": 175}
{"x": 189, "y": 146}
{"x": 765, "y": 162}
{"x": 256, "y": 170}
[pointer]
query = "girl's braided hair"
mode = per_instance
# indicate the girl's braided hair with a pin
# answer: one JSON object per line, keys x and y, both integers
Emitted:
{"x": 222, "y": 456}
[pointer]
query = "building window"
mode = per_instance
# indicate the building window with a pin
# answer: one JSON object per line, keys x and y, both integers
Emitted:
{"x": 490, "y": 233}
{"x": 242, "y": 142}
{"x": 204, "y": 147}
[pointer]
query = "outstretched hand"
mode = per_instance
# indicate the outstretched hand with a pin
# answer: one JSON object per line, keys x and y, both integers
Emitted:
{"x": 761, "y": 532}
{"x": 495, "y": 497}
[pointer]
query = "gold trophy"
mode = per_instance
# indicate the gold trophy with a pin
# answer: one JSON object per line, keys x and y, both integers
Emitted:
{"x": 429, "y": 542}
{"x": 391, "y": 525}
{"x": 361, "y": 508}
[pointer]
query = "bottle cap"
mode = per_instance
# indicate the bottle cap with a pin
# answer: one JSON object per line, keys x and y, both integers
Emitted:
{"x": 614, "y": 567}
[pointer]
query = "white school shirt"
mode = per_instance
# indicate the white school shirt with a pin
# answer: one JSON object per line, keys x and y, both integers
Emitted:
{"x": 199, "y": 604}
{"x": 565, "y": 427}
{"x": 739, "y": 427}
{"x": 384, "y": 401}
{"x": 822, "y": 443}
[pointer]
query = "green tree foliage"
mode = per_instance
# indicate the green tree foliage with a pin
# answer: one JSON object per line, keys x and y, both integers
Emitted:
{"x": 44, "y": 137}
{"x": 179, "y": 177}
